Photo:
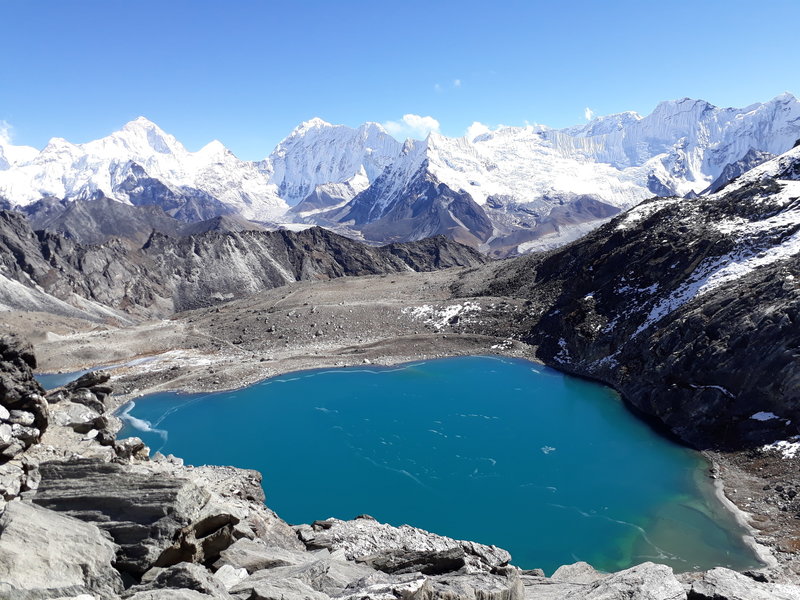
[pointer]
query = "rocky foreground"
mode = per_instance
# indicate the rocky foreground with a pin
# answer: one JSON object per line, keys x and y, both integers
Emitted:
{"x": 85, "y": 515}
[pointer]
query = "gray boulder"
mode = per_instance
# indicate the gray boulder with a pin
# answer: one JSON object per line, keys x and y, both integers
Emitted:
{"x": 79, "y": 417}
{"x": 476, "y": 586}
{"x": 183, "y": 576}
{"x": 647, "y": 581}
{"x": 170, "y": 594}
{"x": 255, "y": 555}
{"x": 327, "y": 574}
{"x": 366, "y": 537}
{"x": 462, "y": 586}
{"x": 230, "y": 576}
{"x": 44, "y": 554}
{"x": 724, "y": 584}
{"x": 579, "y": 572}
{"x": 267, "y": 588}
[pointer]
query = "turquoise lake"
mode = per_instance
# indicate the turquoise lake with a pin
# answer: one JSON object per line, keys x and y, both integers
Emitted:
{"x": 500, "y": 451}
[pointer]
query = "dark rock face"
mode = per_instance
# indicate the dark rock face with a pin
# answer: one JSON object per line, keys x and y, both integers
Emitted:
{"x": 690, "y": 308}
{"x": 23, "y": 409}
{"x": 96, "y": 220}
{"x": 184, "y": 203}
{"x": 169, "y": 274}
{"x": 658, "y": 187}
{"x": 516, "y": 223}
{"x": 425, "y": 208}
{"x": 752, "y": 159}
{"x": 427, "y": 562}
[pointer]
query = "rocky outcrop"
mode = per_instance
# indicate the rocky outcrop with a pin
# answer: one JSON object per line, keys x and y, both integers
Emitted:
{"x": 23, "y": 418}
{"x": 23, "y": 410}
{"x": 724, "y": 584}
{"x": 143, "y": 512}
{"x": 647, "y": 581}
{"x": 366, "y": 540}
{"x": 48, "y": 555}
{"x": 168, "y": 274}
{"x": 97, "y": 220}
{"x": 183, "y": 576}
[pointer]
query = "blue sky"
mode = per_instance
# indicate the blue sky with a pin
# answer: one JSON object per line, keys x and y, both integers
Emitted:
{"x": 247, "y": 73}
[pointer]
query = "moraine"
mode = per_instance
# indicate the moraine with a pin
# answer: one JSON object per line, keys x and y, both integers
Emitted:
{"x": 500, "y": 451}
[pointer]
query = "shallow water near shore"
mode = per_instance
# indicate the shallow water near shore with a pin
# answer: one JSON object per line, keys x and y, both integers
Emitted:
{"x": 499, "y": 451}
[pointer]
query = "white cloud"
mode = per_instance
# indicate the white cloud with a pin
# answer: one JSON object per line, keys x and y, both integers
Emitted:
{"x": 457, "y": 83}
{"x": 476, "y": 129}
{"x": 437, "y": 88}
{"x": 414, "y": 126}
{"x": 588, "y": 113}
{"x": 5, "y": 132}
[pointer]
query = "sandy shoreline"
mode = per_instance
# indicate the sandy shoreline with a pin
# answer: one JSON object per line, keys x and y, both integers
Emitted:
{"x": 743, "y": 518}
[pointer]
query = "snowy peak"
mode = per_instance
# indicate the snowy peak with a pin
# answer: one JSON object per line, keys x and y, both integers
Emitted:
{"x": 141, "y": 137}
{"x": 142, "y": 164}
{"x": 539, "y": 186}
{"x": 11, "y": 155}
{"x": 317, "y": 153}
{"x": 214, "y": 150}
{"x": 307, "y": 126}
{"x": 602, "y": 125}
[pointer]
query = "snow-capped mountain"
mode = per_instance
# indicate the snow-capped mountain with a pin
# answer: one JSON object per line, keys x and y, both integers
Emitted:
{"x": 685, "y": 143}
{"x": 317, "y": 153}
{"x": 513, "y": 189}
{"x": 141, "y": 164}
{"x": 542, "y": 187}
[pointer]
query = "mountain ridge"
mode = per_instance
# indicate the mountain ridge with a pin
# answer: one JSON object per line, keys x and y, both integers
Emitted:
{"x": 321, "y": 174}
{"x": 47, "y": 271}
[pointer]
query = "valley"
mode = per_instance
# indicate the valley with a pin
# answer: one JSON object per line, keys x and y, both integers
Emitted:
{"x": 687, "y": 306}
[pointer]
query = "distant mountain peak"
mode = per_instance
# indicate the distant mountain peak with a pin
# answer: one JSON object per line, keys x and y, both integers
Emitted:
{"x": 785, "y": 97}
{"x": 539, "y": 187}
{"x": 373, "y": 126}
{"x": 142, "y": 135}
{"x": 214, "y": 148}
{"x": 315, "y": 123}
{"x": 140, "y": 122}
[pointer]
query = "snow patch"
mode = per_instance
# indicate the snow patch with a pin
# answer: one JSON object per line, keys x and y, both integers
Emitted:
{"x": 764, "y": 416}
{"x": 438, "y": 318}
{"x": 786, "y": 448}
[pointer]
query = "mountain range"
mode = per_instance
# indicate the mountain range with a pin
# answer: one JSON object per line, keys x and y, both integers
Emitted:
{"x": 504, "y": 191}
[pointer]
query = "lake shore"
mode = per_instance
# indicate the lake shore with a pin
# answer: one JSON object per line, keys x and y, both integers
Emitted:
{"x": 344, "y": 322}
